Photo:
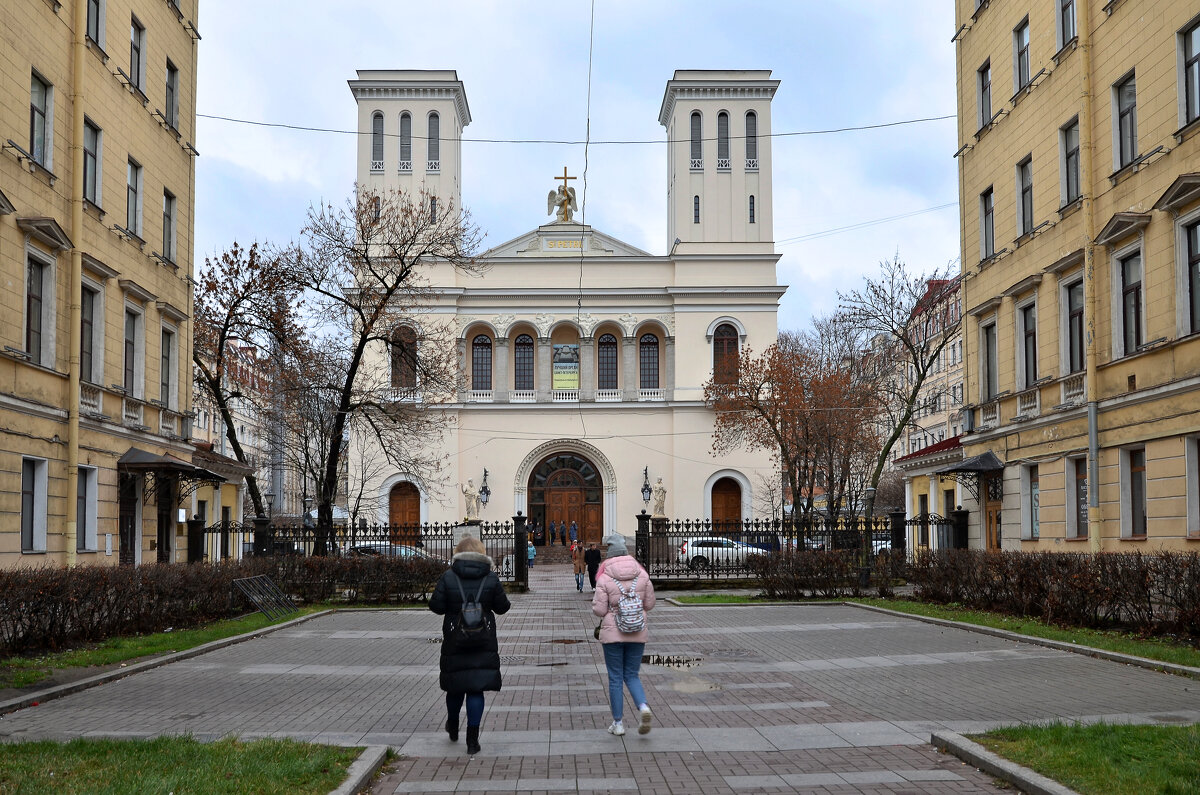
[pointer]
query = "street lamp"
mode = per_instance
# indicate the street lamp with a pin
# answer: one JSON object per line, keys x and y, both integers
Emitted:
{"x": 484, "y": 491}
{"x": 646, "y": 490}
{"x": 270, "y": 496}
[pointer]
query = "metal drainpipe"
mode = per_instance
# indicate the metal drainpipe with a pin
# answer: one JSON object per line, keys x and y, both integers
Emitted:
{"x": 79, "y": 47}
{"x": 1089, "y": 278}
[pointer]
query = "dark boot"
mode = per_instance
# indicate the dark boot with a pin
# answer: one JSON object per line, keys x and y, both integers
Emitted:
{"x": 452, "y": 728}
{"x": 473, "y": 739}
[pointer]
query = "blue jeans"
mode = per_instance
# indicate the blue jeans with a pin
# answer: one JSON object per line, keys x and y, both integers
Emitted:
{"x": 624, "y": 661}
{"x": 454, "y": 702}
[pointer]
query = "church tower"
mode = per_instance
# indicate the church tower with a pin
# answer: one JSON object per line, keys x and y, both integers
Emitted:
{"x": 410, "y": 125}
{"x": 718, "y": 159}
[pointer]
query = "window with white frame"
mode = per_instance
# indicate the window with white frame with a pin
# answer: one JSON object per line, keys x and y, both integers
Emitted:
{"x": 91, "y": 338}
{"x": 1129, "y": 302}
{"x": 166, "y": 369}
{"x": 137, "y": 54}
{"x": 41, "y": 127}
{"x": 1021, "y": 55}
{"x": 695, "y": 209}
{"x": 1068, "y": 142}
{"x": 171, "y": 100}
{"x": 405, "y": 141}
{"x": 751, "y": 140}
{"x": 33, "y": 504}
{"x": 722, "y": 140}
{"x": 434, "y": 143}
{"x": 133, "y": 347}
{"x": 1133, "y": 481}
{"x": 91, "y": 162}
{"x": 1027, "y": 350}
{"x": 1189, "y": 80}
{"x": 168, "y": 226}
{"x": 1066, "y": 22}
{"x": 39, "y": 308}
{"x": 1073, "y": 329}
{"x": 1025, "y": 196}
{"x": 988, "y": 378}
{"x": 133, "y": 198}
{"x": 984, "y": 85}
{"x": 751, "y": 208}
{"x": 95, "y": 21}
{"x": 1192, "y": 470}
{"x": 377, "y": 141}
{"x": 1030, "y": 503}
{"x": 1189, "y": 256}
{"x": 1077, "y": 497}
{"x": 987, "y": 229}
{"x": 1124, "y": 101}
{"x": 86, "y": 510}
{"x": 697, "y": 141}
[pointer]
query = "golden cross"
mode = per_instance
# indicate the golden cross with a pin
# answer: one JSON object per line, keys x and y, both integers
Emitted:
{"x": 564, "y": 178}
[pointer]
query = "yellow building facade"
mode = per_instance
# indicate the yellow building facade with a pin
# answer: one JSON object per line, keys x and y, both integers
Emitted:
{"x": 97, "y": 177}
{"x": 1079, "y": 125}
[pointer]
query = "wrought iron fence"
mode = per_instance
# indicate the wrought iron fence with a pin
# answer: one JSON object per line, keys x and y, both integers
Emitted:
{"x": 694, "y": 549}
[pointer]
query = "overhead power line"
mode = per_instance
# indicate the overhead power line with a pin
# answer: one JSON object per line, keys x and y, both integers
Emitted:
{"x": 860, "y": 225}
{"x": 554, "y": 142}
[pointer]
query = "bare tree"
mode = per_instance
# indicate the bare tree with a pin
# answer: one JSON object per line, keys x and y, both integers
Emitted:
{"x": 366, "y": 272}
{"x": 910, "y": 318}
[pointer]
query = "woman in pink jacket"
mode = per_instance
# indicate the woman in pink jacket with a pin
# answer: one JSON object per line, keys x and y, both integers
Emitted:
{"x": 622, "y": 650}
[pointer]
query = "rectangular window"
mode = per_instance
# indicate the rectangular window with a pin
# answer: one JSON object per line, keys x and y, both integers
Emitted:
{"x": 85, "y": 511}
{"x": 1066, "y": 22}
{"x": 695, "y": 209}
{"x": 1025, "y": 195}
{"x": 94, "y": 20}
{"x": 1192, "y": 233}
{"x": 1190, "y": 42}
{"x": 39, "y": 114}
{"x": 751, "y": 136}
{"x": 984, "y": 81}
{"x": 88, "y": 298}
{"x": 171, "y": 111}
{"x": 987, "y": 236}
{"x": 166, "y": 371}
{"x": 1075, "y": 354}
{"x": 1192, "y": 469}
{"x": 131, "y": 326}
{"x": 752, "y": 208}
{"x": 1021, "y": 56}
{"x": 1131, "y": 302}
{"x": 168, "y": 226}
{"x": 1137, "y": 492}
{"x": 137, "y": 50}
{"x": 1077, "y": 510}
{"x": 1028, "y": 317}
{"x": 133, "y": 198}
{"x": 1125, "y": 96}
{"x": 989, "y": 386}
{"x": 91, "y": 162}
{"x": 29, "y": 499}
{"x": 1070, "y": 153}
{"x": 35, "y": 293}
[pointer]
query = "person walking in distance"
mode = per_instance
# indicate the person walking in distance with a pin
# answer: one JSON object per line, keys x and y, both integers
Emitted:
{"x": 623, "y": 597}
{"x": 573, "y": 532}
{"x": 577, "y": 555}
{"x": 591, "y": 559}
{"x": 550, "y": 536}
{"x": 470, "y": 596}
{"x": 531, "y": 553}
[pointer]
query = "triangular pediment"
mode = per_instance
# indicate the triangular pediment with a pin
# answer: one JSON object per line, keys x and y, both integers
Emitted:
{"x": 6, "y": 206}
{"x": 1183, "y": 191}
{"x": 45, "y": 230}
{"x": 564, "y": 240}
{"x": 1121, "y": 226}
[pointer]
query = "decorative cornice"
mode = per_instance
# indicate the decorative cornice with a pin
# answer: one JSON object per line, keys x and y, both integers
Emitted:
{"x": 398, "y": 88}
{"x": 713, "y": 88}
{"x": 588, "y": 451}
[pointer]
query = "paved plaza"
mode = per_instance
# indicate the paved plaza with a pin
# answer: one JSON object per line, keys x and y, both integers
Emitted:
{"x": 808, "y": 698}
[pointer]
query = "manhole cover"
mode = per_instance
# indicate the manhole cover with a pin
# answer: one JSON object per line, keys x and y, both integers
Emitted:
{"x": 564, "y": 640}
{"x": 670, "y": 660}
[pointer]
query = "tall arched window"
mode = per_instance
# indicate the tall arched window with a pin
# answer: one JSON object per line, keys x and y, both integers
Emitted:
{"x": 725, "y": 354}
{"x": 404, "y": 358}
{"x": 751, "y": 139}
{"x": 648, "y": 358}
{"x": 606, "y": 362}
{"x": 435, "y": 142}
{"x": 375, "y": 207}
{"x": 377, "y": 142}
{"x": 695, "y": 209}
{"x": 697, "y": 140}
{"x": 523, "y": 363}
{"x": 481, "y": 363}
{"x": 751, "y": 208}
{"x": 722, "y": 140}
{"x": 405, "y": 141}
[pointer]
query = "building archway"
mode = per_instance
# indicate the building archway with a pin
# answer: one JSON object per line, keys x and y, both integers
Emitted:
{"x": 404, "y": 512}
{"x": 566, "y": 487}
{"x": 727, "y": 502}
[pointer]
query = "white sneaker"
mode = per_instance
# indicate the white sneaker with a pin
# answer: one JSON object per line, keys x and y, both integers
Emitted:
{"x": 646, "y": 717}
{"x": 616, "y": 728}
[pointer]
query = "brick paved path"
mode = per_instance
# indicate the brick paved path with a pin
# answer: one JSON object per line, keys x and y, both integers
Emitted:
{"x": 779, "y": 699}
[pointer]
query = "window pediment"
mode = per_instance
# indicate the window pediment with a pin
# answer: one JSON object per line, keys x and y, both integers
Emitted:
{"x": 1183, "y": 191}
{"x": 1121, "y": 226}
{"x": 45, "y": 230}
{"x": 6, "y": 207}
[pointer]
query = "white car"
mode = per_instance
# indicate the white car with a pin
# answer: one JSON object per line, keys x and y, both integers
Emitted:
{"x": 700, "y": 553}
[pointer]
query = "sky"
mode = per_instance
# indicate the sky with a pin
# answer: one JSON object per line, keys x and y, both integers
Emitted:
{"x": 525, "y": 69}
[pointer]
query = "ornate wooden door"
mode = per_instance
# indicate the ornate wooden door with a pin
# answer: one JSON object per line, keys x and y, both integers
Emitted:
{"x": 404, "y": 512}
{"x": 127, "y": 531}
{"x": 993, "y": 495}
{"x": 726, "y": 502}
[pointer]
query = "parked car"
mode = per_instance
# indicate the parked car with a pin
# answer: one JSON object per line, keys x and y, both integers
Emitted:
{"x": 392, "y": 550}
{"x": 700, "y": 553}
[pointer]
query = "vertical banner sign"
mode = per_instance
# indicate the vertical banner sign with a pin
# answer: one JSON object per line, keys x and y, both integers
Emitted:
{"x": 566, "y": 366}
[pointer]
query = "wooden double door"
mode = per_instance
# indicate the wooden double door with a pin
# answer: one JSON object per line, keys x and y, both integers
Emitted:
{"x": 566, "y": 503}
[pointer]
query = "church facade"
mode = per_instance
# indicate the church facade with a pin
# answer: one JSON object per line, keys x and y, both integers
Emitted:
{"x": 583, "y": 357}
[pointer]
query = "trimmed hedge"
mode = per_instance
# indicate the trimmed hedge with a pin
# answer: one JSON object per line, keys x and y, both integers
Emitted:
{"x": 800, "y": 574}
{"x": 54, "y": 607}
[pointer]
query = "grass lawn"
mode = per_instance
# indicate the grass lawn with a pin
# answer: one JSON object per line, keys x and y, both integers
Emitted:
{"x": 176, "y": 765}
{"x": 715, "y": 598}
{"x": 1106, "y": 759}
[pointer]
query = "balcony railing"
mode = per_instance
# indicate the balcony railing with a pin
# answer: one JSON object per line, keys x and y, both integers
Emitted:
{"x": 989, "y": 414}
{"x": 405, "y": 167}
{"x": 433, "y": 165}
{"x": 522, "y": 396}
{"x": 91, "y": 398}
{"x": 131, "y": 411}
{"x": 1073, "y": 388}
{"x": 376, "y": 166}
{"x": 566, "y": 396}
{"x": 752, "y": 164}
{"x": 479, "y": 396}
{"x": 697, "y": 164}
{"x": 723, "y": 164}
{"x": 168, "y": 422}
{"x": 1028, "y": 403}
{"x": 608, "y": 396}
{"x": 646, "y": 395}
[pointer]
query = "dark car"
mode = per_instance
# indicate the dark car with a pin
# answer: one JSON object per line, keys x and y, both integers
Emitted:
{"x": 392, "y": 550}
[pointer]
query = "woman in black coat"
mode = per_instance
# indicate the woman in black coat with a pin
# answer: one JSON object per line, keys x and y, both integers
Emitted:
{"x": 468, "y": 666}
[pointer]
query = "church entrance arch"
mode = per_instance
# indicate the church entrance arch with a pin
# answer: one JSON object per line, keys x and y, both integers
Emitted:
{"x": 726, "y": 501}
{"x": 404, "y": 512}
{"x": 567, "y": 487}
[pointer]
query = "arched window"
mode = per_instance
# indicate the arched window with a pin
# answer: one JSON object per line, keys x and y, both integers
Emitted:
{"x": 751, "y": 208}
{"x": 725, "y": 354}
{"x": 751, "y": 139}
{"x": 404, "y": 358}
{"x": 435, "y": 142}
{"x": 523, "y": 363}
{"x": 722, "y": 140}
{"x": 695, "y": 209}
{"x": 433, "y": 209}
{"x": 405, "y": 142}
{"x": 606, "y": 362}
{"x": 648, "y": 357}
{"x": 481, "y": 362}
{"x": 377, "y": 142}
{"x": 697, "y": 140}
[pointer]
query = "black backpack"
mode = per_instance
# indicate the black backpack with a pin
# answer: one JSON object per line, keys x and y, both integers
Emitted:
{"x": 472, "y": 625}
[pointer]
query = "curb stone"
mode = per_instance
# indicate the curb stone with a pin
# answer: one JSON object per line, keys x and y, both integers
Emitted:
{"x": 49, "y": 694}
{"x": 362, "y": 770}
{"x": 1023, "y": 778}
